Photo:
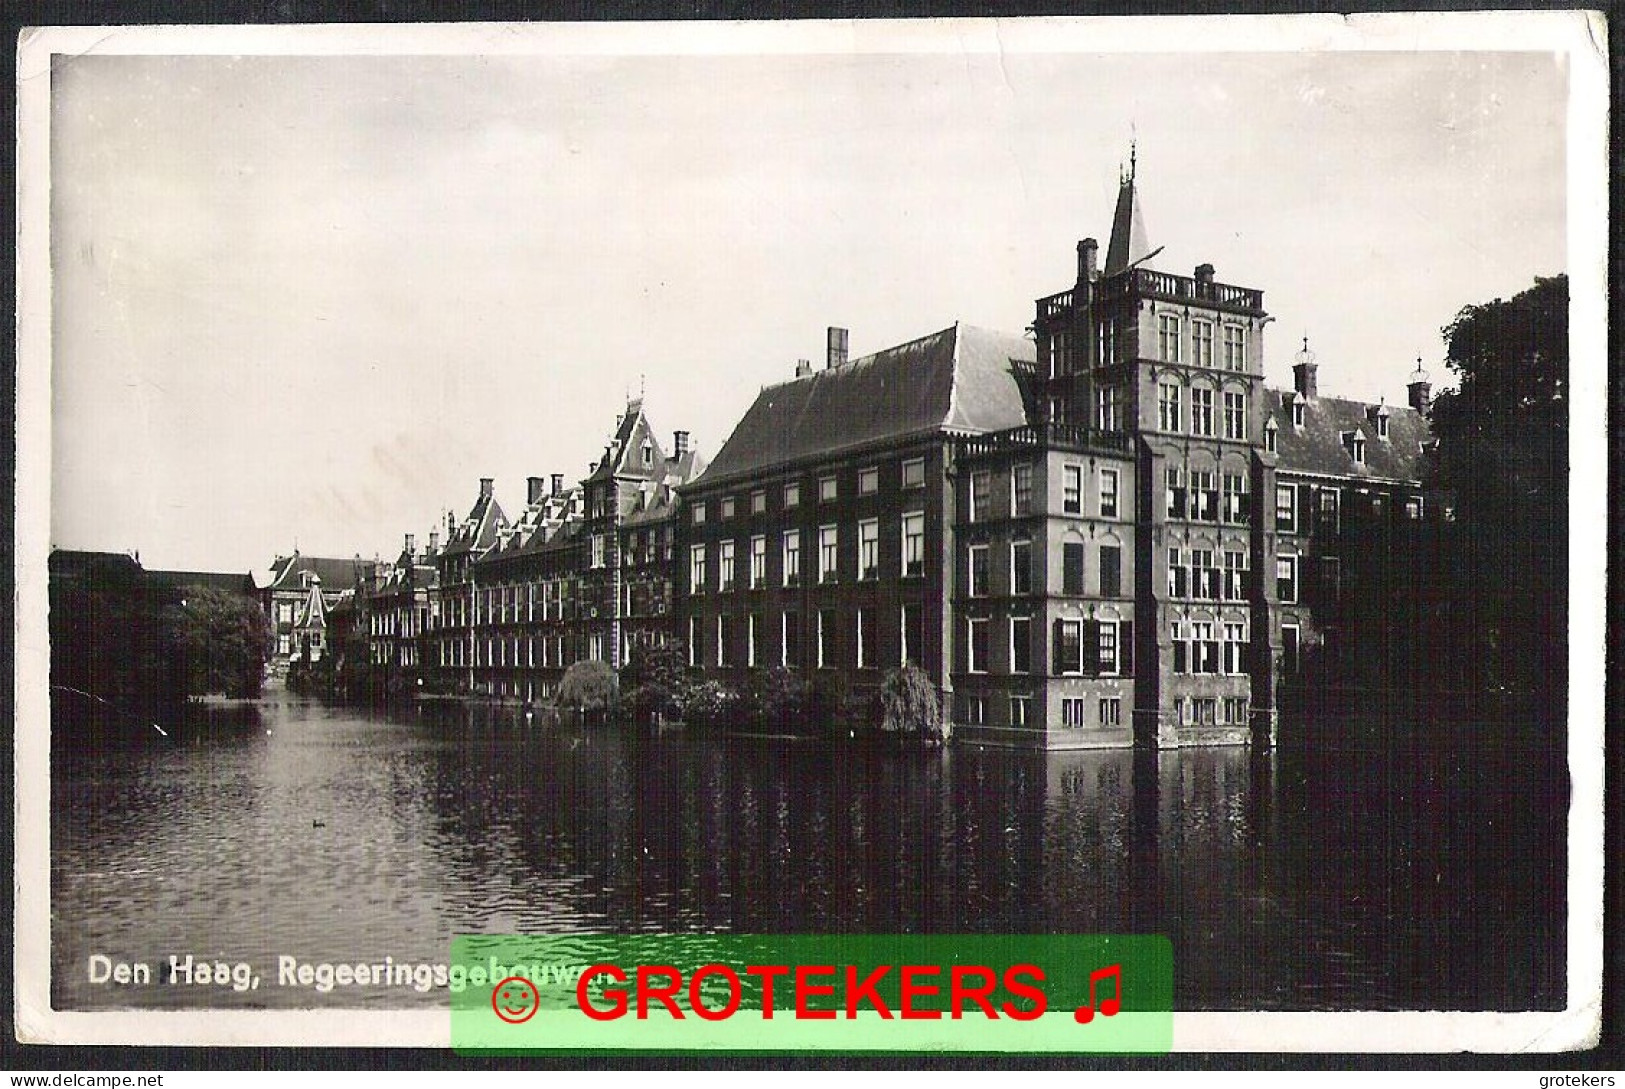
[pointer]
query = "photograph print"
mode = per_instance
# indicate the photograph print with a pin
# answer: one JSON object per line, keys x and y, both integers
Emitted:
{"x": 1028, "y": 477}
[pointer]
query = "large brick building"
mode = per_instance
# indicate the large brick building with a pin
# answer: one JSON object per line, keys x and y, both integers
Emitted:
{"x": 583, "y": 573}
{"x": 1113, "y": 532}
{"x": 822, "y": 536}
{"x": 1106, "y": 532}
{"x": 1351, "y": 526}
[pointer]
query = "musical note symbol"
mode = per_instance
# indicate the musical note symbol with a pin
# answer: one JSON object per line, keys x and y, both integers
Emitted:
{"x": 1108, "y": 1007}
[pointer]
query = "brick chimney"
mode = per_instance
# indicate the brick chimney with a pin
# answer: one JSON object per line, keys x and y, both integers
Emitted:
{"x": 535, "y": 488}
{"x": 835, "y": 347}
{"x": 803, "y": 368}
{"x": 558, "y": 483}
{"x": 679, "y": 443}
{"x": 411, "y": 545}
{"x": 1204, "y": 281}
{"x": 434, "y": 541}
{"x": 1419, "y": 389}
{"x": 486, "y": 484}
{"x": 1088, "y": 253}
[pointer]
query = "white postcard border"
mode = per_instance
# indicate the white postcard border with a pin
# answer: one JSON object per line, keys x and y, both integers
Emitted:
{"x": 1580, "y": 36}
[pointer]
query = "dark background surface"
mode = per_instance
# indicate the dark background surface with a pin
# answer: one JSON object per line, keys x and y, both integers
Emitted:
{"x": 19, "y": 15}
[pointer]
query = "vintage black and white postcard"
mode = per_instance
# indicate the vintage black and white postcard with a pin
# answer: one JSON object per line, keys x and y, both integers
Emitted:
{"x": 1023, "y": 479}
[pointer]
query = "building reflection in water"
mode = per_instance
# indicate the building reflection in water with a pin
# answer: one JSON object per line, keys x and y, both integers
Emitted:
{"x": 1310, "y": 880}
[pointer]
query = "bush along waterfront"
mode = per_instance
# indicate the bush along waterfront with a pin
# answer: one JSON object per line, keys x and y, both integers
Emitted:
{"x": 658, "y": 688}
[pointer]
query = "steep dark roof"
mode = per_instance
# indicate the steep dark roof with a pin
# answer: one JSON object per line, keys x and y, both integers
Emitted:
{"x": 335, "y": 574}
{"x": 1318, "y": 446}
{"x": 313, "y": 611}
{"x": 660, "y": 508}
{"x": 681, "y": 470}
{"x": 632, "y": 431}
{"x": 230, "y": 582}
{"x": 1129, "y": 242}
{"x": 479, "y": 531}
{"x": 962, "y": 379}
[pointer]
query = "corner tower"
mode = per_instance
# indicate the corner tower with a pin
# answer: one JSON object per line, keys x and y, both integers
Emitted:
{"x": 1175, "y": 364}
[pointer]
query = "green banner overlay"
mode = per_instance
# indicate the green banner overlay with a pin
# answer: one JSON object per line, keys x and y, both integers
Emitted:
{"x": 843, "y": 992}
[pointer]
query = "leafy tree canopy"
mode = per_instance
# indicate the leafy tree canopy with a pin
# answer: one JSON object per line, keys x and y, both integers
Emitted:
{"x": 1503, "y": 433}
{"x": 588, "y": 686}
{"x": 223, "y": 639}
{"x": 910, "y": 705}
{"x": 1502, "y": 459}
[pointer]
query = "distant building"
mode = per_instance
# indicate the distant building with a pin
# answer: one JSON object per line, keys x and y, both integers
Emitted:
{"x": 296, "y": 599}
{"x": 527, "y": 590}
{"x": 585, "y": 573}
{"x": 395, "y": 614}
{"x": 1104, "y": 533}
{"x": 454, "y": 606}
{"x": 626, "y": 586}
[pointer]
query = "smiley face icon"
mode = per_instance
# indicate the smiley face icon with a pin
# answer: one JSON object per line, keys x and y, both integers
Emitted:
{"x": 515, "y": 1000}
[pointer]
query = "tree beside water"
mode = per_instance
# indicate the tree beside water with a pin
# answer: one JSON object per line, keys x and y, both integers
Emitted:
{"x": 1503, "y": 457}
{"x": 223, "y": 640}
{"x": 128, "y": 646}
{"x": 588, "y": 686}
{"x": 911, "y": 705}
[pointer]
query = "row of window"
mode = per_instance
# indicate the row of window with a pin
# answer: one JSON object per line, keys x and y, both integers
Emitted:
{"x": 1206, "y": 711}
{"x": 1201, "y": 647}
{"x": 527, "y": 651}
{"x": 1204, "y": 422}
{"x": 769, "y": 640}
{"x": 1108, "y": 716}
{"x": 1292, "y": 500}
{"x": 1065, "y": 351}
{"x": 911, "y": 529}
{"x": 1109, "y": 711}
{"x": 1171, "y": 343}
{"x": 387, "y": 655}
{"x": 1195, "y": 495}
{"x": 639, "y": 549}
{"x": 981, "y": 496}
{"x": 404, "y": 622}
{"x": 1094, "y": 648}
{"x": 1109, "y": 569}
{"x": 1193, "y": 574}
{"x": 912, "y": 475}
{"x": 515, "y": 603}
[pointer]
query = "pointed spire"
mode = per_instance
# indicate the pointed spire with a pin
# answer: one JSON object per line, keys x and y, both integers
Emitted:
{"x": 1128, "y": 243}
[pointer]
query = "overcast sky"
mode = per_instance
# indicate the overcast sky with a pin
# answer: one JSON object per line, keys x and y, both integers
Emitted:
{"x": 312, "y": 300}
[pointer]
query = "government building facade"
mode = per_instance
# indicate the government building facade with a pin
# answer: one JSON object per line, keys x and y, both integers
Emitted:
{"x": 1110, "y": 533}
{"x": 1105, "y": 532}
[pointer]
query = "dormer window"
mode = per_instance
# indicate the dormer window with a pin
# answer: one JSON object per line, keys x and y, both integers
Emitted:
{"x": 648, "y": 454}
{"x": 1378, "y": 415}
{"x": 1354, "y": 443}
{"x": 1297, "y": 412}
{"x": 1270, "y": 431}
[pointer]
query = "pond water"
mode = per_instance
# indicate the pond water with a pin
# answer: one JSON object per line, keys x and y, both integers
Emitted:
{"x": 1312, "y": 878}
